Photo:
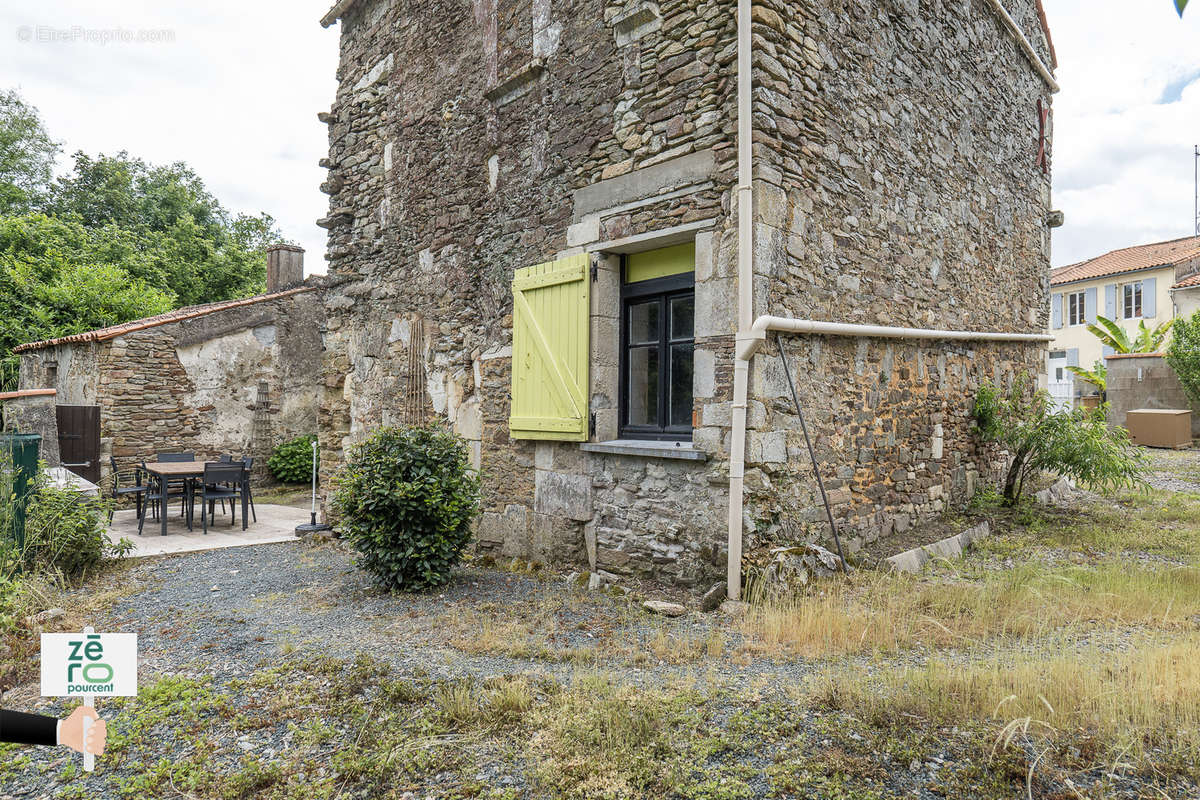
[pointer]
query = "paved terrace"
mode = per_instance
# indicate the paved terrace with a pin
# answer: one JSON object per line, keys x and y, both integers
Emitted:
{"x": 275, "y": 524}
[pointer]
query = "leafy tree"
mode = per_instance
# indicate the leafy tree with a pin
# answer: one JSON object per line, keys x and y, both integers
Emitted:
{"x": 1074, "y": 443}
{"x": 197, "y": 249}
{"x": 113, "y": 240}
{"x": 57, "y": 278}
{"x": 1184, "y": 354}
{"x": 1097, "y": 376}
{"x": 1148, "y": 340}
{"x": 27, "y": 155}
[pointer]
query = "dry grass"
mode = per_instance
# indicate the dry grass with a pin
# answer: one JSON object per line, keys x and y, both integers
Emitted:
{"x": 879, "y": 612}
{"x": 1126, "y": 703}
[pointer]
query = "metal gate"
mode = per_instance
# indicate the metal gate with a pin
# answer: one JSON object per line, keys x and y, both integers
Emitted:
{"x": 1061, "y": 383}
{"x": 79, "y": 440}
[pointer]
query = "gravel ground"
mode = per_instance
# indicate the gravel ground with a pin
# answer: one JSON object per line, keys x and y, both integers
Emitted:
{"x": 1174, "y": 470}
{"x": 231, "y": 614}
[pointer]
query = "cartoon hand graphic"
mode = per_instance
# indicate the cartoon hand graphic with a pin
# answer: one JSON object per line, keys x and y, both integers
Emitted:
{"x": 71, "y": 733}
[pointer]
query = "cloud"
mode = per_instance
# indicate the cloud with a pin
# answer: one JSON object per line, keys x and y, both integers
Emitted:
{"x": 1124, "y": 124}
{"x": 236, "y": 91}
{"x": 232, "y": 88}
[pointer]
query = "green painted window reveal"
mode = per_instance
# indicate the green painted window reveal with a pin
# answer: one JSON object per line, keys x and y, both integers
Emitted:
{"x": 658, "y": 311}
{"x": 660, "y": 263}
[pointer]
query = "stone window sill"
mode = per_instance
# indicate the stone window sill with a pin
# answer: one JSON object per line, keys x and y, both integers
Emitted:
{"x": 643, "y": 448}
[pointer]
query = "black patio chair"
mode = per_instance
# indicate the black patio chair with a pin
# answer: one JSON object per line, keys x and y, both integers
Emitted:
{"x": 215, "y": 485}
{"x": 179, "y": 487}
{"x": 155, "y": 486}
{"x": 137, "y": 490}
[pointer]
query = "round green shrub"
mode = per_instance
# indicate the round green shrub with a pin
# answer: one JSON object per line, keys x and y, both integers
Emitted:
{"x": 406, "y": 499}
{"x": 292, "y": 461}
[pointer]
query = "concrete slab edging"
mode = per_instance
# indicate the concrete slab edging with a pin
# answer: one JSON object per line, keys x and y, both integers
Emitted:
{"x": 951, "y": 547}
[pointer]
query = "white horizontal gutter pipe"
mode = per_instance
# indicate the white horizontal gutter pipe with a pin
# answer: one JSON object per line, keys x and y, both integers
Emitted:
{"x": 748, "y": 344}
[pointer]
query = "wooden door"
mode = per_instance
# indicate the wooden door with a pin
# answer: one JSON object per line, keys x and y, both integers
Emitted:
{"x": 79, "y": 440}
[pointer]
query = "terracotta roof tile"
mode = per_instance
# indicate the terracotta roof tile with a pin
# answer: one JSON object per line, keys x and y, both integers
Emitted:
{"x": 1193, "y": 280}
{"x": 178, "y": 315}
{"x": 1129, "y": 259}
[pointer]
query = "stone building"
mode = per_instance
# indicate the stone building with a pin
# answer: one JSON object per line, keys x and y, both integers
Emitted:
{"x": 553, "y": 224}
{"x": 231, "y": 377}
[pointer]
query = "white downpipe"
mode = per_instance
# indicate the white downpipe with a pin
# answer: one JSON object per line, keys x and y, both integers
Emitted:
{"x": 748, "y": 344}
{"x": 745, "y": 298}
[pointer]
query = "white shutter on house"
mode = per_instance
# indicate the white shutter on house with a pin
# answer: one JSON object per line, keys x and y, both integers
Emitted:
{"x": 1073, "y": 357}
{"x": 1056, "y": 311}
{"x": 1110, "y": 300}
{"x": 1149, "y": 304}
{"x": 1089, "y": 305}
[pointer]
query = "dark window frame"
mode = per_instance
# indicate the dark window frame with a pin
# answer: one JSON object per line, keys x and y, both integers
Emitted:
{"x": 1132, "y": 300}
{"x": 664, "y": 290}
{"x": 1076, "y": 309}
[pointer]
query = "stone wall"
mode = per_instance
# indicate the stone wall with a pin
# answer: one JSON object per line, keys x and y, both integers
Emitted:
{"x": 463, "y": 147}
{"x": 895, "y": 182}
{"x": 193, "y": 385}
{"x": 33, "y": 411}
{"x": 899, "y": 184}
{"x": 1144, "y": 380}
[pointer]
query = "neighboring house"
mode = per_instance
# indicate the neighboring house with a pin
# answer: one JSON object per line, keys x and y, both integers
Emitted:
{"x": 231, "y": 377}
{"x": 1185, "y": 293}
{"x": 1128, "y": 286}
{"x": 537, "y": 236}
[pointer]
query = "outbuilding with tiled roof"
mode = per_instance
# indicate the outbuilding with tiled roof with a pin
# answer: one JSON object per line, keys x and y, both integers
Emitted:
{"x": 234, "y": 377}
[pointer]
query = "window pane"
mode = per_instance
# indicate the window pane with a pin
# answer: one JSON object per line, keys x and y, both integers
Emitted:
{"x": 643, "y": 386}
{"x": 682, "y": 315}
{"x": 643, "y": 323}
{"x": 681, "y": 385}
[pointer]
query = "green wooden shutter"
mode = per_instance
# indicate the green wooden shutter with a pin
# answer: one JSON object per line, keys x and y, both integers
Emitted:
{"x": 551, "y": 308}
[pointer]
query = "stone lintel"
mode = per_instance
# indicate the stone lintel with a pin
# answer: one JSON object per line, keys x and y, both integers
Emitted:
{"x": 645, "y": 182}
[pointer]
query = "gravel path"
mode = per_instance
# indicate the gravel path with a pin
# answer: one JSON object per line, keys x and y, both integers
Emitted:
{"x": 233, "y": 614}
{"x": 1174, "y": 470}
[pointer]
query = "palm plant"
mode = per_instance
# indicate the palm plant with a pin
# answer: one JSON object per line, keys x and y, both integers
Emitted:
{"x": 1097, "y": 376}
{"x": 1148, "y": 340}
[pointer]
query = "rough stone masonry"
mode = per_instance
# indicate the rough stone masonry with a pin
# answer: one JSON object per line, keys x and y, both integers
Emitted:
{"x": 901, "y": 177}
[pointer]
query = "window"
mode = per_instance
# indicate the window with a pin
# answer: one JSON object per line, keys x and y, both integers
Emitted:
{"x": 657, "y": 316}
{"x": 1076, "y": 309}
{"x": 1131, "y": 298}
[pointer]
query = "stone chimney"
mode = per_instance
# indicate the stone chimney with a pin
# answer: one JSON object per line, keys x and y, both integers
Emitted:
{"x": 285, "y": 267}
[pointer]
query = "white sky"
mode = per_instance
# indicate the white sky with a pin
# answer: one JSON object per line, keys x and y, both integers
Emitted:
{"x": 1125, "y": 123}
{"x": 236, "y": 92}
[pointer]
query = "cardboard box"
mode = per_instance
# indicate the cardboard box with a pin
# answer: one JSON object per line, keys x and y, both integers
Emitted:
{"x": 1160, "y": 427}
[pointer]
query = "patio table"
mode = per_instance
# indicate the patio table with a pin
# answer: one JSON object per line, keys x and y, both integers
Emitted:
{"x": 167, "y": 470}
